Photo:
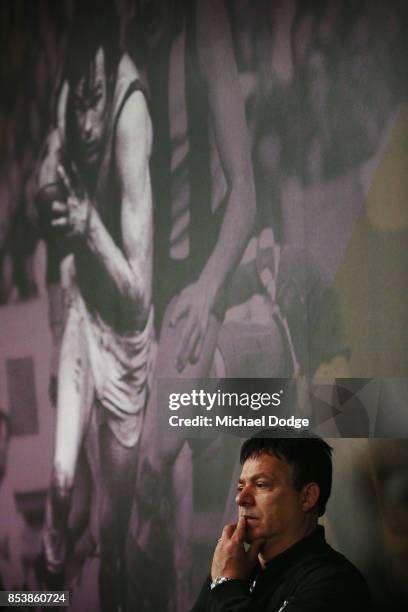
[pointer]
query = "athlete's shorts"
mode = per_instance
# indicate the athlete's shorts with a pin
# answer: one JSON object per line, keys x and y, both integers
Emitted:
{"x": 122, "y": 371}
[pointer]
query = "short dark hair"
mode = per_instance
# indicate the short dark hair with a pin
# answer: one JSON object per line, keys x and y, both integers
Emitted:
{"x": 94, "y": 25}
{"x": 309, "y": 455}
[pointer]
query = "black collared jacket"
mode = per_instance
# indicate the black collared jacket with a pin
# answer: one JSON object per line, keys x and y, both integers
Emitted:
{"x": 308, "y": 577}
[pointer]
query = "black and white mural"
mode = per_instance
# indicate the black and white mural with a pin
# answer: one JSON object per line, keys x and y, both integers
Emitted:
{"x": 195, "y": 191}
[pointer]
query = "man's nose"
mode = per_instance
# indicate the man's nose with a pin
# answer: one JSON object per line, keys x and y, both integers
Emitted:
{"x": 244, "y": 497}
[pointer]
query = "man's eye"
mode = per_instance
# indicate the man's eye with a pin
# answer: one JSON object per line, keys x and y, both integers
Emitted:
{"x": 261, "y": 485}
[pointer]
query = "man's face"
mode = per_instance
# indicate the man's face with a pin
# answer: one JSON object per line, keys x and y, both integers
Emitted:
{"x": 272, "y": 506}
{"x": 90, "y": 105}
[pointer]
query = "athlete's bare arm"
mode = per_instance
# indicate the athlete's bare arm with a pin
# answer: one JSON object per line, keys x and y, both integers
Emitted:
{"x": 228, "y": 119}
{"x": 133, "y": 145}
{"x": 128, "y": 271}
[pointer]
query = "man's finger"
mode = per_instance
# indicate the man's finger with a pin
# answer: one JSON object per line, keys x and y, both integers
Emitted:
{"x": 228, "y": 530}
{"x": 197, "y": 349}
{"x": 195, "y": 339}
{"x": 59, "y": 207}
{"x": 65, "y": 179}
{"x": 60, "y": 222}
{"x": 188, "y": 336}
{"x": 76, "y": 178}
{"x": 180, "y": 310}
{"x": 240, "y": 531}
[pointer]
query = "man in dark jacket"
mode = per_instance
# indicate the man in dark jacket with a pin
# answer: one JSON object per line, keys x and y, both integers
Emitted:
{"x": 283, "y": 489}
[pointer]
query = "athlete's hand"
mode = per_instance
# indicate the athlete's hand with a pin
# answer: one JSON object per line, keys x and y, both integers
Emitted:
{"x": 230, "y": 559}
{"x": 194, "y": 304}
{"x": 74, "y": 214}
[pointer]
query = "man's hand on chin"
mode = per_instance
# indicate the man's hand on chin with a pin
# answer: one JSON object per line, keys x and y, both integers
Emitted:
{"x": 230, "y": 558}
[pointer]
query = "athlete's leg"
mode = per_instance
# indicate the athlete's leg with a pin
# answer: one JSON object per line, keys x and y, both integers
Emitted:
{"x": 75, "y": 394}
{"x": 118, "y": 470}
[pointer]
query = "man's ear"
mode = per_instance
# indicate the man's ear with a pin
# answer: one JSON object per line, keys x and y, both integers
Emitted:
{"x": 310, "y": 496}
